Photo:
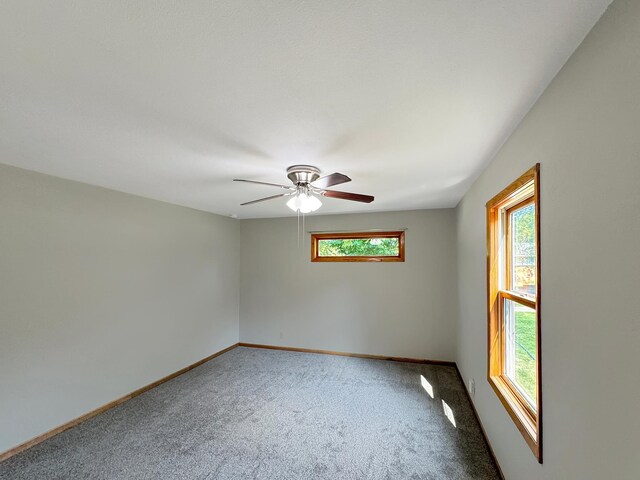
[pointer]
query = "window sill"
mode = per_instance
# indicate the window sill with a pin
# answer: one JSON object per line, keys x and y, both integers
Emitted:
{"x": 526, "y": 422}
{"x": 357, "y": 259}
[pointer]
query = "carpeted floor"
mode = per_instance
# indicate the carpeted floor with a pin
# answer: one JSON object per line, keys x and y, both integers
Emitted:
{"x": 268, "y": 414}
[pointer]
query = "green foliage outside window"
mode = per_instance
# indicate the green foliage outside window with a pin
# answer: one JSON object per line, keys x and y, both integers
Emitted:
{"x": 359, "y": 247}
{"x": 524, "y": 249}
{"x": 525, "y": 232}
{"x": 526, "y": 369}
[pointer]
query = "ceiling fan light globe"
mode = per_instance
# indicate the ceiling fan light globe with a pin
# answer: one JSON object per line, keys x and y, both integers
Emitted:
{"x": 304, "y": 203}
{"x": 314, "y": 203}
{"x": 294, "y": 203}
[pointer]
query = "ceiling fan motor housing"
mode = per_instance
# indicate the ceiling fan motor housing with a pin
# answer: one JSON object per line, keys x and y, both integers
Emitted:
{"x": 303, "y": 174}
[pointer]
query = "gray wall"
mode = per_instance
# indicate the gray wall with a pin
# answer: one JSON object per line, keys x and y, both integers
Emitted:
{"x": 101, "y": 293}
{"x": 585, "y": 131}
{"x": 400, "y": 309}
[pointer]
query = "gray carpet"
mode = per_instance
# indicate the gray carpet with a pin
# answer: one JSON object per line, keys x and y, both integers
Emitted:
{"x": 267, "y": 414}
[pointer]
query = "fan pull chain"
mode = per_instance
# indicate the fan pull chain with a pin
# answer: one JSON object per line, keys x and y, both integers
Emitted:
{"x": 298, "y": 215}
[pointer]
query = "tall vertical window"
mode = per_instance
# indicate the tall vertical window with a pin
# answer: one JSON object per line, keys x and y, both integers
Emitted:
{"x": 513, "y": 303}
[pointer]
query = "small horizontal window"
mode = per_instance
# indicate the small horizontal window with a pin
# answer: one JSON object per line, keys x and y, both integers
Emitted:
{"x": 358, "y": 247}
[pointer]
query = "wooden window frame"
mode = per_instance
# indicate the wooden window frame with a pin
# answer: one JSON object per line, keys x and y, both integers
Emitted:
{"x": 316, "y": 237}
{"x": 527, "y": 419}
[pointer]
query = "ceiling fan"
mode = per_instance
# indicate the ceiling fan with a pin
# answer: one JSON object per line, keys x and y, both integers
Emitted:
{"x": 306, "y": 186}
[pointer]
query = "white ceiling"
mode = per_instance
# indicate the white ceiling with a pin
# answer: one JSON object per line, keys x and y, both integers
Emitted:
{"x": 172, "y": 100}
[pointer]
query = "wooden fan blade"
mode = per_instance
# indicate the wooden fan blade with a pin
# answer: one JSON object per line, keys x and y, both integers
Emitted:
{"x": 288, "y": 187}
{"x": 265, "y": 199}
{"x": 356, "y": 197}
{"x": 331, "y": 180}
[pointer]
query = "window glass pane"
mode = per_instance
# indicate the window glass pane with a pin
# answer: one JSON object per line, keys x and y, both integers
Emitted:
{"x": 521, "y": 349}
{"x": 359, "y": 247}
{"x": 523, "y": 249}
